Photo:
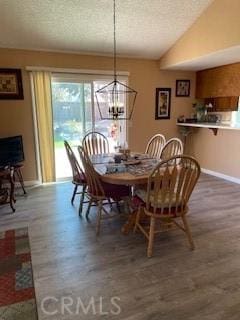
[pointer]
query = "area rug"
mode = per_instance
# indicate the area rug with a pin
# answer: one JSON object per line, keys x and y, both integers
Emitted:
{"x": 17, "y": 294}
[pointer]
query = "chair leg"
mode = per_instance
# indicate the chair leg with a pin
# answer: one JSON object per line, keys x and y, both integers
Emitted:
{"x": 81, "y": 200}
{"x": 88, "y": 208}
{"x": 99, "y": 217}
{"x": 118, "y": 207}
{"x": 151, "y": 237}
{"x": 188, "y": 232}
{"x": 74, "y": 193}
{"x": 110, "y": 203}
{"x": 127, "y": 205}
{"x": 137, "y": 219}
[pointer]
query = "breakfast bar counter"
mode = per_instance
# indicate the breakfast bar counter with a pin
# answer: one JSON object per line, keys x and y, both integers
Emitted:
{"x": 210, "y": 125}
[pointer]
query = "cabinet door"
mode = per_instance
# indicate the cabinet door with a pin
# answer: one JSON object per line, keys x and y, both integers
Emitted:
{"x": 223, "y": 103}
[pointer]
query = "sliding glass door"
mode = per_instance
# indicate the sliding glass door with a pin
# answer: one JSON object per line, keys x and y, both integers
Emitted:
{"x": 75, "y": 113}
{"x": 115, "y": 131}
{"x": 72, "y": 118}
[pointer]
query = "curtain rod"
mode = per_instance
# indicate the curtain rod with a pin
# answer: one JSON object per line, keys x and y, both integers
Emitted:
{"x": 82, "y": 71}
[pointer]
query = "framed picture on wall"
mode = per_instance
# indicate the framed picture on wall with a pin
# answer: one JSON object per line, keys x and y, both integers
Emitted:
{"x": 182, "y": 88}
{"x": 11, "y": 84}
{"x": 163, "y": 103}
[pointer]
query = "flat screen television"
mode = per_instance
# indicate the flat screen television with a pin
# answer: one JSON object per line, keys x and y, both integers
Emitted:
{"x": 11, "y": 151}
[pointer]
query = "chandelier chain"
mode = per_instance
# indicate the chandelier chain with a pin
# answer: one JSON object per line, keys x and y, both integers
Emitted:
{"x": 115, "y": 100}
{"x": 114, "y": 40}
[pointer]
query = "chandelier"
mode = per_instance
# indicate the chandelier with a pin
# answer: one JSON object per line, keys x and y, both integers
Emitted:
{"x": 115, "y": 100}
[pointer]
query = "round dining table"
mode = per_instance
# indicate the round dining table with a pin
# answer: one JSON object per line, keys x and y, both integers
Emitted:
{"x": 131, "y": 172}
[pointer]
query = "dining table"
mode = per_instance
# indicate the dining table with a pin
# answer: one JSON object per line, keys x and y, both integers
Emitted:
{"x": 133, "y": 171}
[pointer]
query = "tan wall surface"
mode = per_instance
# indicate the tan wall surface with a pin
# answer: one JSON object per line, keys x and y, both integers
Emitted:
{"x": 16, "y": 116}
{"x": 219, "y": 153}
{"x": 216, "y": 29}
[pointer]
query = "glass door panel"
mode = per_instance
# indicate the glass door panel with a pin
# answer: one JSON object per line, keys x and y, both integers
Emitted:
{"x": 115, "y": 131}
{"x": 72, "y": 118}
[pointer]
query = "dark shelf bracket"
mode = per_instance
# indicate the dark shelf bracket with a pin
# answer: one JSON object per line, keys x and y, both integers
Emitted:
{"x": 214, "y": 130}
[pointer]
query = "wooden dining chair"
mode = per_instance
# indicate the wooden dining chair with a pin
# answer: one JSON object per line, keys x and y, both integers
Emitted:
{"x": 170, "y": 186}
{"x": 78, "y": 177}
{"x": 155, "y": 145}
{"x": 173, "y": 147}
{"x": 99, "y": 191}
{"x": 95, "y": 143}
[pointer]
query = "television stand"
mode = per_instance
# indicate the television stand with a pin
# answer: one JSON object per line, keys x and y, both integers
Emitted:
{"x": 18, "y": 174}
{"x": 7, "y": 194}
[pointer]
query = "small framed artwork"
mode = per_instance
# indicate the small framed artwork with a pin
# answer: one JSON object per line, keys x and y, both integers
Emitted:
{"x": 182, "y": 88}
{"x": 11, "y": 84}
{"x": 163, "y": 103}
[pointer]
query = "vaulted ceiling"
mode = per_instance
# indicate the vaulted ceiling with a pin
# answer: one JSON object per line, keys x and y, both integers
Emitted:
{"x": 145, "y": 28}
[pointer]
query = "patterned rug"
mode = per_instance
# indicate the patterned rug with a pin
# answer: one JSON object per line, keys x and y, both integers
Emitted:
{"x": 17, "y": 295}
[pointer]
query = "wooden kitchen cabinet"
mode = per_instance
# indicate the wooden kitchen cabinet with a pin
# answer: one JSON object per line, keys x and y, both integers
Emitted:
{"x": 220, "y": 86}
{"x": 223, "y": 103}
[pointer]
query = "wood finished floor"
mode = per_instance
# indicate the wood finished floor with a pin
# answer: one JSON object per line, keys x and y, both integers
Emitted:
{"x": 69, "y": 260}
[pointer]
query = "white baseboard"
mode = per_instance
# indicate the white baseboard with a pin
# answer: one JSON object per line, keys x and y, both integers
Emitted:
{"x": 221, "y": 175}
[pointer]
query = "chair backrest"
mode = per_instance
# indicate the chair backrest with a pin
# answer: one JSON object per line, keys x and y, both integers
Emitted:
{"x": 93, "y": 180}
{"x": 77, "y": 172}
{"x": 95, "y": 143}
{"x": 155, "y": 145}
{"x": 173, "y": 147}
{"x": 170, "y": 185}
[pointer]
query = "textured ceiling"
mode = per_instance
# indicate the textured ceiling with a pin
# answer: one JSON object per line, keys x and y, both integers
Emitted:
{"x": 145, "y": 28}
